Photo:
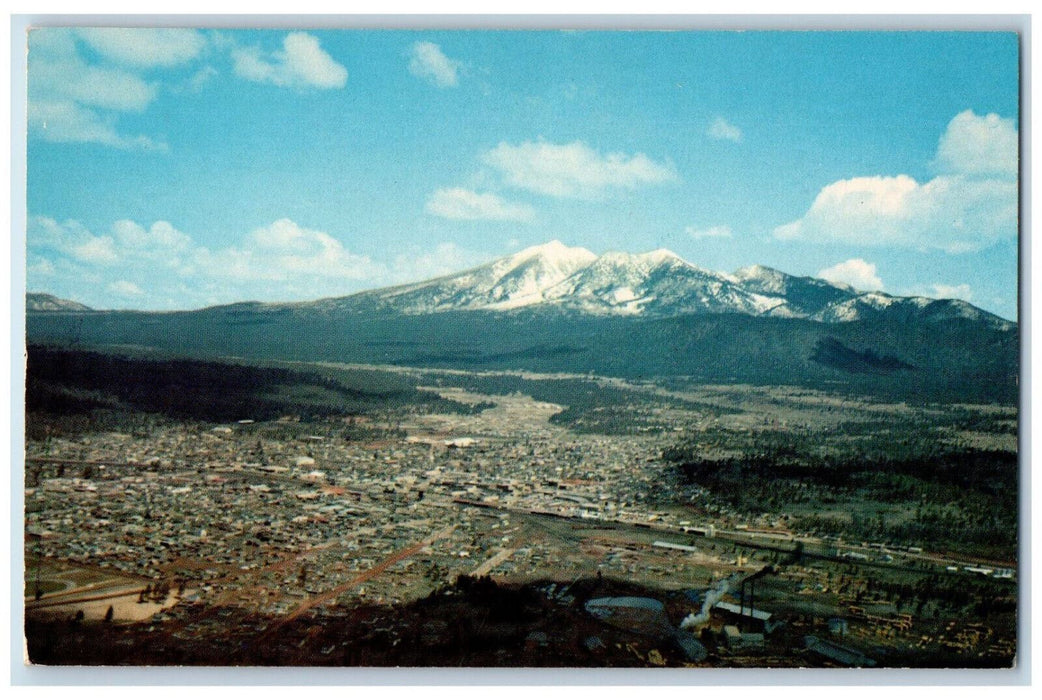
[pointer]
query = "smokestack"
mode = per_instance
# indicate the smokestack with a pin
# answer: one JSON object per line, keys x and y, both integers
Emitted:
{"x": 713, "y": 596}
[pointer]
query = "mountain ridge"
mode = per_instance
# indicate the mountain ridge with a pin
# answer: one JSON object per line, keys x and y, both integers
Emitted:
{"x": 658, "y": 284}
{"x": 554, "y": 277}
{"x": 554, "y": 309}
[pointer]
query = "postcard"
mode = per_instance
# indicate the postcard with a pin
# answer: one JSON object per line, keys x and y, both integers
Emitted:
{"x": 517, "y": 348}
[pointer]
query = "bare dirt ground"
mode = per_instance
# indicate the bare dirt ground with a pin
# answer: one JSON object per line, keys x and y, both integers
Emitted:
{"x": 92, "y": 592}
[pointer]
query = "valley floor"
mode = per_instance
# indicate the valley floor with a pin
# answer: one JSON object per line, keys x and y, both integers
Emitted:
{"x": 477, "y": 537}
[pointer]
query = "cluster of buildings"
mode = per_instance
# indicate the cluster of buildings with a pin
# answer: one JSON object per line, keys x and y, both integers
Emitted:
{"x": 284, "y": 517}
{"x": 269, "y": 515}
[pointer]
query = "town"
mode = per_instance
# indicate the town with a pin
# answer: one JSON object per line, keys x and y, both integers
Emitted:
{"x": 183, "y": 524}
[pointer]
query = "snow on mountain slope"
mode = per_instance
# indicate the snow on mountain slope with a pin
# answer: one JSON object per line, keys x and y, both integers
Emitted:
{"x": 655, "y": 284}
{"x": 658, "y": 283}
{"x": 511, "y": 282}
{"x": 875, "y": 304}
{"x": 613, "y": 282}
{"x": 801, "y": 296}
{"x": 764, "y": 280}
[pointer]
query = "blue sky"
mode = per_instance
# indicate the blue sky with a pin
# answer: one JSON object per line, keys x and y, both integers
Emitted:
{"x": 182, "y": 168}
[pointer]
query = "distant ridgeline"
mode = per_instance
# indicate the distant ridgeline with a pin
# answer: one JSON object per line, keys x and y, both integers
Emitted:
{"x": 558, "y": 309}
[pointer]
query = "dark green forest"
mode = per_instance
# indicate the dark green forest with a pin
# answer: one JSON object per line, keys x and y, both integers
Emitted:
{"x": 65, "y": 383}
{"x": 909, "y": 488}
{"x": 922, "y": 361}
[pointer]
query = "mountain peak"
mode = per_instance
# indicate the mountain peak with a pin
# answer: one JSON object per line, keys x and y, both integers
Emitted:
{"x": 753, "y": 270}
{"x": 555, "y": 251}
{"x": 762, "y": 279}
{"x": 649, "y": 259}
{"x": 759, "y": 272}
{"x": 660, "y": 255}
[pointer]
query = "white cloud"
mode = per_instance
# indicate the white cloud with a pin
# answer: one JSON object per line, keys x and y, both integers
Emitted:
{"x": 428, "y": 62}
{"x": 145, "y": 47}
{"x": 201, "y": 77}
{"x": 952, "y": 213}
{"x": 711, "y": 232}
{"x": 128, "y": 243}
{"x": 722, "y": 130}
{"x": 160, "y": 241}
{"x": 967, "y": 209}
{"x": 100, "y": 250}
{"x": 71, "y": 240}
{"x": 855, "y": 272}
{"x": 445, "y": 259}
{"x": 72, "y": 101}
{"x": 57, "y": 68}
{"x": 940, "y": 290}
{"x": 975, "y": 145}
{"x": 159, "y": 267}
{"x": 124, "y": 288}
{"x": 277, "y": 262}
{"x": 81, "y": 80}
{"x": 283, "y": 251}
{"x": 574, "y": 169}
{"x": 46, "y": 233}
{"x": 951, "y": 291}
{"x": 459, "y": 203}
{"x": 108, "y": 88}
{"x": 301, "y": 63}
{"x": 64, "y": 121}
{"x": 862, "y": 207}
{"x": 37, "y": 267}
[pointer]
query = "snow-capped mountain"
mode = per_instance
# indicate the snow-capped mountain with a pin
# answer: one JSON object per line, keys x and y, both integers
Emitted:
{"x": 557, "y": 309}
{"x": 658, "y": 284}
{"x": 654, "y": 284}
